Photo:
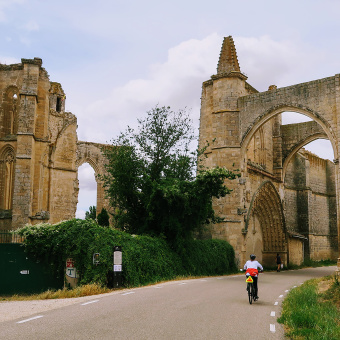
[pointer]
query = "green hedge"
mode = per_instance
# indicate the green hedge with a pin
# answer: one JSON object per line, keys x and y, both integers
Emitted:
{"x": 145, "y": 259}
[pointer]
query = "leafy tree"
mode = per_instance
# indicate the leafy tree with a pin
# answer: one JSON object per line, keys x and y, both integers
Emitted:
{"x": 103, "y": 218}
{"x": 151, "y": 182}
{"x": 92, "y": 213}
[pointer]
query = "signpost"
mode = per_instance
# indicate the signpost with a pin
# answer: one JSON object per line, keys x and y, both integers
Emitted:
{"x": 117, "y": 267}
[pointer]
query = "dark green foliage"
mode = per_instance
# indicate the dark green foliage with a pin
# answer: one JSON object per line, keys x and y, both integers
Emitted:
{"x": 208, "y": 257}
{"x": 151, "y": 182}
{"x": 103, "y": 218}
{"x": 145, "y": 259}
{"x": 92, "y": 213}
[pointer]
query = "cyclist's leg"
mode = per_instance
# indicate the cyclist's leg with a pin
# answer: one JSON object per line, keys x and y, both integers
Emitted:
{"x": 255, "y": 285}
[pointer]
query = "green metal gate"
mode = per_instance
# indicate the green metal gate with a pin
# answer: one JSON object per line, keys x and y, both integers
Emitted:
{"x": 21, "y": 274}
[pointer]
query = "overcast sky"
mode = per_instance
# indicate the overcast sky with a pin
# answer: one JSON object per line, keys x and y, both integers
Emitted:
{"x": 117, "y": 59}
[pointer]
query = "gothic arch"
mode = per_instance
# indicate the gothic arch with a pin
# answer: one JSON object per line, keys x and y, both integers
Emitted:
{"x": 266, "y": 207}
{"x": 272, "y": 112}
{"x": 296, "y": 148}
{"x": 7, "y": 161}
{"x": 10, "y": 105}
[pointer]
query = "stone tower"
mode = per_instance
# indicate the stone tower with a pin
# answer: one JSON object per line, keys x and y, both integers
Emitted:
{"x": 244, "y": 131}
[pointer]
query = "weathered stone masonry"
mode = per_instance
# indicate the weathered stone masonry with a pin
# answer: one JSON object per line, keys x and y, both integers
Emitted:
{"x": 287, "y": 199}
{"x": 39, "y": 149}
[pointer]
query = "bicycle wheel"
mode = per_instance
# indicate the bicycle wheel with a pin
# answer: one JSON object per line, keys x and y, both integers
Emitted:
{"x": 250, "y": 293}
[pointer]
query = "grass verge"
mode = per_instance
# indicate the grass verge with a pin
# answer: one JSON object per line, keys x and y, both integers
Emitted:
{"x": 311, "y": 311}
{"x": 84, "y": 290}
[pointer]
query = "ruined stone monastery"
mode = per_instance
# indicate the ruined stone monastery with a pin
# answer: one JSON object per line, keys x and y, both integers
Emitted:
{"x": 286, "y": 200}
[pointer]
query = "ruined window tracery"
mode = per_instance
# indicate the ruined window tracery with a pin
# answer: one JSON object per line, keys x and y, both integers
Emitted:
{"x": 10, "y": 106}
{"x": 7, "y": 161}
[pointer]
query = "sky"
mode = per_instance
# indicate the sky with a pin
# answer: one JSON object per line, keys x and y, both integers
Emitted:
{"x": 116, "y": 59}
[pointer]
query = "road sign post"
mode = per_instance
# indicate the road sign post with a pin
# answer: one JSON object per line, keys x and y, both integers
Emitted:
{"x": 117, "y": 267}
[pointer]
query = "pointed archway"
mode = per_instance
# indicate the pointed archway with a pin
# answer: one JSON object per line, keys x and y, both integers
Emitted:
{"x": 265, "y": 225}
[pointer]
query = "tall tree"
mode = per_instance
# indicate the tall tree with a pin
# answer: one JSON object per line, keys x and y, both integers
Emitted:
{"x": 151, "y": 178}
{"x": 92, "y": 213}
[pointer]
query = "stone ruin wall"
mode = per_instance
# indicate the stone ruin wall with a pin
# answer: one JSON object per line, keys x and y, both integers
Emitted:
{"x": 245, "y": 132}
{"x": 39, "y": 149}
{"x": 310, "y": 204}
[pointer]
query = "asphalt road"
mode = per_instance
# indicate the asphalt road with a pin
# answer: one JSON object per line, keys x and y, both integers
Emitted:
{"x": 207, "y": 308}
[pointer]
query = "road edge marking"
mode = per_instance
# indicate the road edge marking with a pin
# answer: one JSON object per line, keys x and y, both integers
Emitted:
{"x": 30, "y": 319}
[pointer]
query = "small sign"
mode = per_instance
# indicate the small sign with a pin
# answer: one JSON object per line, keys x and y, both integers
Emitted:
{"x": 249, "y": 279}
{"x": 69, "y": 263}
{"x": 70, "y": 269}
{"x": 24, "y": 272}
{"x": 117, "y": 257}
{"x": 96, "y": 258}
{"x": 117, "y": 268}
{"x": 71, "y": 272}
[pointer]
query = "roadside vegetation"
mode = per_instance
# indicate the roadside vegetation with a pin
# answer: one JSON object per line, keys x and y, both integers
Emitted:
{"x": 146, "y": 259}
{"x": 312, "y": 311}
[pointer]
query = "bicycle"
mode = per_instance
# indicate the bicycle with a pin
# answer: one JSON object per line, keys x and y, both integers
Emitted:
{"x": 250, "y": 289}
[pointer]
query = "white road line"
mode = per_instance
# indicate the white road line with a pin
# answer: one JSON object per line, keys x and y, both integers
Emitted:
{"x": 219, "y": 278}
{"x": 157, "y": 287}
{"x": 294, "y": 286}
{"x": 286, "y": 291}
{"x": 276, "y": 303}
{"x": 281, "y": 296}
{"x": 87, "y": 303}
{"x": 272, "y": 328}
{"x": 182, "y": 283}
{"x": 128, "y": 293}
{"x": 204, "y": 280}
{"x": 272, "y": 313}
{"x": 30, "y": 319}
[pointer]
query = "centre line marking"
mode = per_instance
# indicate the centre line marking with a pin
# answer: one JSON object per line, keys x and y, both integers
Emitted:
{"x": 182, "y": 283}
{"x": 87, "y": 303}
{"x": 272, "y": 313}
{"x": 276, "y": 303}
{"x": 286, "y": 291}
{"x": 30, "y": 319}
{"x": 128, "y": 293}
{"x": 272, "y": 328}
{"x": 280, "y": 296}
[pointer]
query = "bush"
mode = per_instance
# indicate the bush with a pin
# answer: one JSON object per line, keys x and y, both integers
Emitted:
{"x": 145, "y": 259}
{"x": 208, "y": 257}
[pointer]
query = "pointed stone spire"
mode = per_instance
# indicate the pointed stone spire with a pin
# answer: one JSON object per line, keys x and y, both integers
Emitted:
{"x": 228, "y": 61}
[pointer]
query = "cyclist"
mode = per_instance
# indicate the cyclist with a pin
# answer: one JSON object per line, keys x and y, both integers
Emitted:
{"x": 251, "y": 267}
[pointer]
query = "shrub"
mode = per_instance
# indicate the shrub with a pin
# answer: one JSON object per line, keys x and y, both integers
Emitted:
{"x": 145, "y": 259}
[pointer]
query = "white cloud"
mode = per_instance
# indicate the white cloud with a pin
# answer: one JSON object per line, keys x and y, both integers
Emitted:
{"x": 9, "y": 60}
{"x": 176, "y": 82}
{"x": 271, "y": 62}
{"x": 31, "y": 26}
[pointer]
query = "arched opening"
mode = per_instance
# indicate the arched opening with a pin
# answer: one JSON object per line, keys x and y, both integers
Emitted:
{"x": 265, "y": 226}
{"x": 310, "y": 194}
{"x": 10, "y": 111}
{"x": 7, "y": 160}
{"x": 296, "y": 157}
{"x": 320, "y": 147}
{"x": 87, "y": 195}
